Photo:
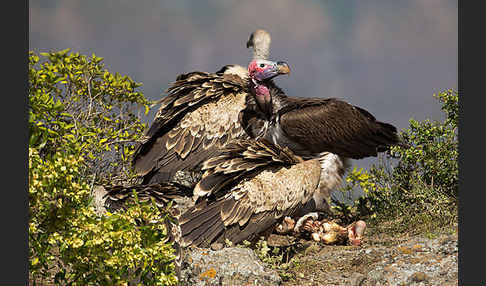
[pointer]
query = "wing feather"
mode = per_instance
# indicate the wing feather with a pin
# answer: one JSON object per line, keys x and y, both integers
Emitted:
{"x": 239, "y": 158}
{"x": 191, "y": 124}
{"x": 331, "y": 125}
{"x": 249, "y": 203}
{"x": 162, "y": 193}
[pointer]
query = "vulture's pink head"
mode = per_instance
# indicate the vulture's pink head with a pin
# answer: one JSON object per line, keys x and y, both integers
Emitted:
{"x": 260, "y": 69}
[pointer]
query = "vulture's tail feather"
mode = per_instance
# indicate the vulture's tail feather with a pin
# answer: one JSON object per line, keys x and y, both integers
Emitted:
{"x": 162, "y": 193}
{"x": 201, "y": 224}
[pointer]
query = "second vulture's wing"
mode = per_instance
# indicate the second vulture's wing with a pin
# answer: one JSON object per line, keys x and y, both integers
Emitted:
{"x": 245, "y": 191}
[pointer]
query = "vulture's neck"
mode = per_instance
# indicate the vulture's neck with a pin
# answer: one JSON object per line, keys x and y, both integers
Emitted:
{"x": 268, "y": 98}
{"x": 262, "y": 96}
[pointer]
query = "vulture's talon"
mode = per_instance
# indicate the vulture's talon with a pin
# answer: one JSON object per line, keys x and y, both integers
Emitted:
{"x": 285, "y": 226}
{"x": 308, "y": 225}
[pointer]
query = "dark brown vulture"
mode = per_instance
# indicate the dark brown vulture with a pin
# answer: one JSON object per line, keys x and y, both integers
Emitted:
{"x": 327, "y": 129}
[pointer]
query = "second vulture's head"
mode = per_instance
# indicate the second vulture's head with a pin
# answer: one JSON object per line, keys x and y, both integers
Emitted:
{"x": 260, "y": 41}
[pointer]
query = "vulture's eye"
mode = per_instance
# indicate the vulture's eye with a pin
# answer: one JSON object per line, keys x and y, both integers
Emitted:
{"x": 262, "y": 65}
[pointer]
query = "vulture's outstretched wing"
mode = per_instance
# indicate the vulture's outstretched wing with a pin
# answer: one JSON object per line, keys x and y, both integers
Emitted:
{"x": 315, "y": 125}
{"x": 198, "y": 117}
{"x": 246, "y": 191}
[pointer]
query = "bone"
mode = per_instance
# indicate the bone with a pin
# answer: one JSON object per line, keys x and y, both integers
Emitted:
{"x": 303, "y": 219}
{"x": 356, "y": 232}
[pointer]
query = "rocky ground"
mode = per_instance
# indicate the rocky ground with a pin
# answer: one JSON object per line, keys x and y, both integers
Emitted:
{"x": 380, "y": 260}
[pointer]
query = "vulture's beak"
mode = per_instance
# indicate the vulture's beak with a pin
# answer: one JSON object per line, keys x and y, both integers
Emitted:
{"x": 283, "y": 68}
{"x": 271, "y": 70}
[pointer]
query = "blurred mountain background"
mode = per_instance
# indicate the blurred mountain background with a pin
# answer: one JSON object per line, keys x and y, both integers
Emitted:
{"x": 388, "y": 57}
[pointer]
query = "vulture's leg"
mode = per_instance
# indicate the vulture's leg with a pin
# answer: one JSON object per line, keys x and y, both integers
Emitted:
{"x": 286, "y": 226}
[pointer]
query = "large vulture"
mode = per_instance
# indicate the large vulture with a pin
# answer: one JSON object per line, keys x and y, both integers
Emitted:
{"x": 201, "y": 113}
{"x": 327, "y": 129}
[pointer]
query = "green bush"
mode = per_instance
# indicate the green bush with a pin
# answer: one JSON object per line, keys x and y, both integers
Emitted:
{"x": 69, "y": 243}
{"x": 76, "y": 104}
{"x": 416, "y": 186}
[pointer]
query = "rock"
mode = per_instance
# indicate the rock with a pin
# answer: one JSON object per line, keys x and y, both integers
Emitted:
{"x": 418, "y": 277}
{"x": 413, "y": 261}
{"x": 356, "y": 279}
{"x": 375, "y": 276}
{"x": 217, "y": 246}
{"x": 228, "y": 266}
{"x": 277, "y": 240}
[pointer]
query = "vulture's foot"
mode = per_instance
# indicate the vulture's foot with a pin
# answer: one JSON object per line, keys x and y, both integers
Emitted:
{"x": 286, "y": 226}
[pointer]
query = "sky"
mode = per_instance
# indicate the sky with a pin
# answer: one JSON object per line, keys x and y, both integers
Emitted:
{"x": 388, "y": 57}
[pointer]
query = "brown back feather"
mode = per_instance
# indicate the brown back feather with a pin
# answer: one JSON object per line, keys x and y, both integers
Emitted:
{"x": 241, "y": 158}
